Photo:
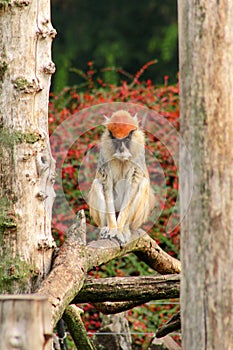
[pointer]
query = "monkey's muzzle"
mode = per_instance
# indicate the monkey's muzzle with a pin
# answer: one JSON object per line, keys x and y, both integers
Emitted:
{"x": 122, "y": 156}
{"x": 122, "y": 152}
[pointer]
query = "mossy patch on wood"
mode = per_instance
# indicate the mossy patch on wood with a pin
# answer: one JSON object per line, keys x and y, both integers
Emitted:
{"x": 9, "y": 138}
{"x": 15, "y": 274}
{"x": 21, "y": 84}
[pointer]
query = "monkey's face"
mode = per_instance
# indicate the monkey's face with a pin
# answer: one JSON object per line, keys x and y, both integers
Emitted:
{"x": 122, "y": 146}
{"x": 122, "y": 139}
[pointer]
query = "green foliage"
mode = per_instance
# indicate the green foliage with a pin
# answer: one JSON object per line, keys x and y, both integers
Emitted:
{"x": 128, "y": 265}
{"x": 114, "y": 34}
{"x": 145, "y": 320}
{"x": 169, "y": 44}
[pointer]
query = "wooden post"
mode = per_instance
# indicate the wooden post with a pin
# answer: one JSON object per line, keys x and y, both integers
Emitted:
{"x": 25, "y": 323}
{"x": 206, "y": 87}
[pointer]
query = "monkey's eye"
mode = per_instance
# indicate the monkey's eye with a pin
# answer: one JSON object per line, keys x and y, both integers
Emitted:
{"x": 129, "y": 136}
{"x": 131, "y": 132}
{"x": 127, "y": 139}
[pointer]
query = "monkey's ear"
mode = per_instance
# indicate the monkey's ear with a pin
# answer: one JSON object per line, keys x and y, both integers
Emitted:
{"x": 106, "y": 120}
{"x": 135, "y": 118}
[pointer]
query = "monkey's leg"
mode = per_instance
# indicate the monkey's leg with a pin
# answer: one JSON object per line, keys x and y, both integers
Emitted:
{"x": 135, "y": 208}
{"x": 140, "y": 206}
{"x": 123, "y": 217}
{"x": 104, "y": 203}
{"x": 102, "y": 208}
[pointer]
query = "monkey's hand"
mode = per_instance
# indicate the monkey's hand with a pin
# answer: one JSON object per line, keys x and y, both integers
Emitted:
{"x": 121, "y": 236}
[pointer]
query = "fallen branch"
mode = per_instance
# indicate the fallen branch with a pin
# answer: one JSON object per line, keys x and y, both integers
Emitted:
{"x": 140, "y": 288}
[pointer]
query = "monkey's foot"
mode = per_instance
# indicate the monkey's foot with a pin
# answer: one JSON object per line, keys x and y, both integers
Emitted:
{"x": 121, "y": 236}
{"x": 105, "y": 232}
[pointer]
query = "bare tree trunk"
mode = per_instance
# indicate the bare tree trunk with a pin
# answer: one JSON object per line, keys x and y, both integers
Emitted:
{"x": 206, "y": 72}
{"x": 26, "y": 164}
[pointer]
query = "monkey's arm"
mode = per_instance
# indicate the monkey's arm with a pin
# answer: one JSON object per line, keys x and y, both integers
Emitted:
{"x": 97, "y": 204}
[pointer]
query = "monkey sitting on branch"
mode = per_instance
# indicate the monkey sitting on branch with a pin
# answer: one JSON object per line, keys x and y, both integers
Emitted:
{"x": 121, "y": 197}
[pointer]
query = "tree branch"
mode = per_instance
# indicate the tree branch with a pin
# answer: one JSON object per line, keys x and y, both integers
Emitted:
{"x": 141, "y": 244}
{"x": 110, "y": 307}
{"x": 141, "y": 288}
{"x": 76, "y": 328}
{"x": 174, "y": 324}
{"x": 75, "y": 259}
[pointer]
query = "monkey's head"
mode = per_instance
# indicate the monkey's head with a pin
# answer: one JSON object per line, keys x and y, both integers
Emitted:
{"x": 125, "y": 136}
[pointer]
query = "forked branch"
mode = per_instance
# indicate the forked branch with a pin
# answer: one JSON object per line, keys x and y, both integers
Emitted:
{"x": 75, "y": 259}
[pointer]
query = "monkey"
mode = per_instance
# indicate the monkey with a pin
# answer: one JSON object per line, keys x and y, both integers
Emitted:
{"x": 121, "y": 197}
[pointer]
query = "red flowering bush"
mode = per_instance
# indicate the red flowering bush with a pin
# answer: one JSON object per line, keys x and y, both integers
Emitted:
{"x": 163, "y": 100}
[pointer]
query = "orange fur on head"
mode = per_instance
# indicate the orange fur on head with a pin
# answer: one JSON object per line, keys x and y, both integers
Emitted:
{"x": 121, "y": 123}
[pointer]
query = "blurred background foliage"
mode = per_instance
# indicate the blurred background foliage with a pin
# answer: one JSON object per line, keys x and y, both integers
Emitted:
{"x": 116, "y": 34}
{"x": 107, "y": 52}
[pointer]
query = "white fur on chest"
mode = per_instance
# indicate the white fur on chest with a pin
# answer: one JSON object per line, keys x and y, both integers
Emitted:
{"x": 122, "y": 174}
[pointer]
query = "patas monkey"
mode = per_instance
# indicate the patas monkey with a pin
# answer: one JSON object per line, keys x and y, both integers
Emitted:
{"x": 121, "y": 197}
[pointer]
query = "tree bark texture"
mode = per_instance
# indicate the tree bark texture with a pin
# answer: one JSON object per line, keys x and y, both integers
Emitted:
{"x": 26, "y": 165}
{"x": 144, "y": 288}
{"x": 73, "y": 320}
{"x": 165, "y": 343}
{"x": 114, "y": 333}
{"x": 206, "y": 74}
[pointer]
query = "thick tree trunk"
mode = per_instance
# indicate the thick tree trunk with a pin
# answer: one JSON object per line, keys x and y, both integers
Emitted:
{"x": 206, "y": 72}
{"x": 26, "y": 164}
